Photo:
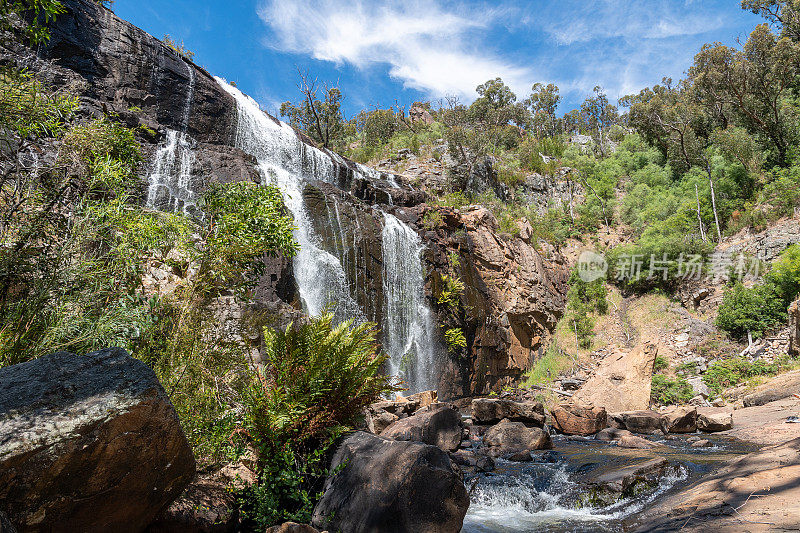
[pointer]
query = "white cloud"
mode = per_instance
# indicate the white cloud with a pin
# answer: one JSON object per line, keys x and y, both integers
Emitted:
{"x": 429, "y": 48}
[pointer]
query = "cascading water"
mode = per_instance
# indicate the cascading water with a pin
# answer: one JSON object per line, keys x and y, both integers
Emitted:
{"x": 409, "y": 328}
{"x": 287, "y": 163}
{"x": 169, "y": 182}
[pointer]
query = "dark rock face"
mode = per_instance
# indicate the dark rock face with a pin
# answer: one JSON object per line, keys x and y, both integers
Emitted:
{"x": 88, "y": 443}
{"x": 493, "y": 410}
{"x": 391, "y": 486}
{"x": 437, "y": 425}
{"x": 515, "y": 295}
{"x": 513, "y": 437}
{"x": 608, "y": 487}
{"x": 646, "y": 421}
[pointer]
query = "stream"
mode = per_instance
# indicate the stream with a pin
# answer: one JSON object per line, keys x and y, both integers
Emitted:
{"x": 545, "y": 495}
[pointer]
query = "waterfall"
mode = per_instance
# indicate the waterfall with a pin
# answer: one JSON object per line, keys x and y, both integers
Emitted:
{"x": 409, "y": 328}
{"x": 169, "y": 186}
{"x": 288, "y": 163}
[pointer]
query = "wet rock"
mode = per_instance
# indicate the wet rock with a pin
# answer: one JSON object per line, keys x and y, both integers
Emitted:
{"x": 468, "y": 458}
{"x": 520, "y": 457}
{"x": 681, "y": 420}
{"x": 645, "y": 421}
{"x": 632, "y": 441}
{"x": 90, "y": 441}
{"x": 713, "y": 422}
{"x": 509, "y": 437}
{"x": 611, "y": 434}
{"x": 492, "y": 410}
{"x": 437, "y": 425}
{"x": 701, "y": 443}
{"x": 622, "y": 382}
{"x": 577, "y": 419}
{"x": 386, "y": 485}
{"x": 609, "y": 487}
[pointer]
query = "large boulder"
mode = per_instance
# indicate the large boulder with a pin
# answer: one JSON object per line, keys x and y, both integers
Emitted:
{"x": 622, "y": 382}
{"x": 775, "y": 389}
{"x": 509, "y": 437}
{"x": 576, "y": 419}
{"x": 88, "y": 443}
{"x": 493, "y": 410}
{"x": 437, "y": 425}
{"x": 386, "y": 485}
{"x": 713, "y": 422}
{"x": 644, "y": 421}
{"x": 608, "y": 486}
{"x": 681, "y": 420}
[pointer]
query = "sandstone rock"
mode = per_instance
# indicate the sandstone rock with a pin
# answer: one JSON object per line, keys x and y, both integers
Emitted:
{"x": 611, "y": 434}
{"x": 292, "y": 527}
{"x": 622, "y": 479}
{"x": 719, "y": 402}
{"x": 492, "y": 410}
{"x": 88, "y": 443}
{"x": 712, "y": 422}
{"x": 622, "y": 382}
{"x": 437, "y": 425}
{"x": 645, "y": 421}
{"x": 424, "y": 398}
{"x": 701, "y": 443}
{"x": 576, "y": 419}
{"x": 681, "y": 420}
{"x": 777, "y": 388}
{"x": 632, "y": 441}
{"x": 511, "y": 437}
{"x": 385, "y": 485}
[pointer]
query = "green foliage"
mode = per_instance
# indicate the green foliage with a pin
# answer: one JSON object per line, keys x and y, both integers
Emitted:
{"x": 245, "y": 221}
{"x": 758, "y": 310}
{"x": 450, "y": 292}
{"x": 177, "y": 47}
{"x": 319, "y": 118}
{"x": 583, "y": 300}
{"x": 785, "y": 274}
{"x": 455, "y": 340}
{"x": 28, "y": 108}
{"x": 667, "y": 391}
{"x": 318, "y": 378}
{"x": 40, "y": 13}
{"x": 432, "y": 220}
{"x": 727, "y": 373}
{"x": 660, "y": 363}
{"x": 548, "y": 367}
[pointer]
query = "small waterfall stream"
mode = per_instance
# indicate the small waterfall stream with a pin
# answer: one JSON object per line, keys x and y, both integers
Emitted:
{"x": 409, "y": 328}
{"x": 169, "y": 182}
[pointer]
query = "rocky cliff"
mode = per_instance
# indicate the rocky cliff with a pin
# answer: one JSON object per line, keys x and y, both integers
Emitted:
{"x": 191, "y": 131}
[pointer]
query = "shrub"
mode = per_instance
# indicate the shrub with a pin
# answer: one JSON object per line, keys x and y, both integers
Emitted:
{"x": 666, "y": 391}
{"x": 318, "y": 378}
{"x": 730, "y": 372}
{"x": 455, "y": 339}
{"x": 756, "y": 310}
{"x": 548, "y": 367}
{"x": 660, "y": 363}
{"x": 450, "y": 294}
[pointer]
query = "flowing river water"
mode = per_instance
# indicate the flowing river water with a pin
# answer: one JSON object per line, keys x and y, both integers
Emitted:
{"x": 547, "y": 494}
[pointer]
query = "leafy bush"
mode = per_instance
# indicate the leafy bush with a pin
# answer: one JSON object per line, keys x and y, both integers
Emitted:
{"x": 757, "y": 310}
{"x": 318, "y": 377}
{"x": 666, "y": 391}
{"x": 450, "y": 293}
{"x": 455, "y": 339}
{"x": 730, "y": 372}
{"x": 660, "y": 363}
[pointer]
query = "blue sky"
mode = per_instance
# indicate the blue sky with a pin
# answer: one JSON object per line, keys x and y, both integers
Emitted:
{"x": 382, "y": 52}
